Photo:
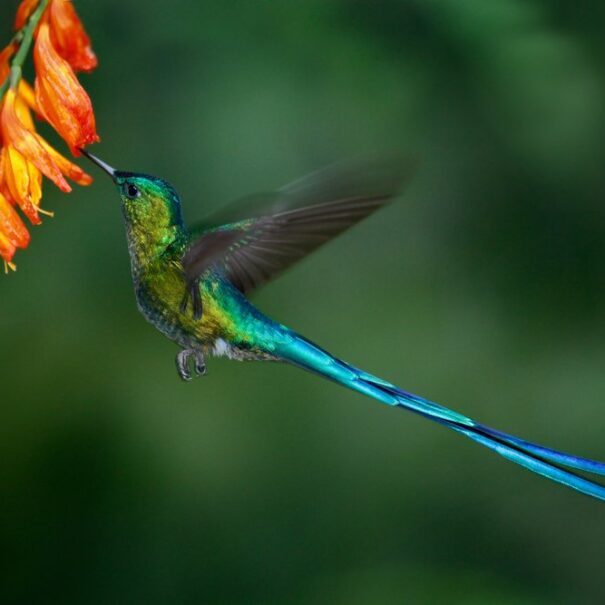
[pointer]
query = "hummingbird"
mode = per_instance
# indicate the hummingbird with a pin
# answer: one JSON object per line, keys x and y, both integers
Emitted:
{"x": 193, "y": 284}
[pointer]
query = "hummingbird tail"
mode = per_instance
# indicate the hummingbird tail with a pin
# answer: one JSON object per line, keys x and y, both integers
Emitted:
{"x": 538, "y": 459}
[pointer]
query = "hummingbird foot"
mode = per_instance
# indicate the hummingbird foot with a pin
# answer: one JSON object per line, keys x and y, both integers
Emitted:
{"x": 182, "y": 363}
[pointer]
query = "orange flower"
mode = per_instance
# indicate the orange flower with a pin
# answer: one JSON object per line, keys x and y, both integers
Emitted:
{"x": 17, "y": 128}
{"x": 26, "y": 8}
{"x": 7, "y": 251}
{"x": 13, "y": 233}
{"x": 5, "y": 56}
{"x": 69, "y": 169}
{"x": 26, "y": 92}
{"x": 22, "y": 179}
{"x": 60, "y": 97}
{"x": 15, "y": 133}
{"x": 23, "y": 182}
{"x": 69, "y": 37}
{"x": 66, "y": 31}
{"x": 61, "y": 46}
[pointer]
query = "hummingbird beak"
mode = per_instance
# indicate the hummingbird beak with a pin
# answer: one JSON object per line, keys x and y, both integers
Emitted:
{"x": 100, "y": 163}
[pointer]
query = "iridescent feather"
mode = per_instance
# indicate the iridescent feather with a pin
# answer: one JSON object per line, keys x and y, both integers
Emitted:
{"x": 214, "y": 266}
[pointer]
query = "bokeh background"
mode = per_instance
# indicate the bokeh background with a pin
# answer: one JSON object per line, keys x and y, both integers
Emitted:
{"x": 482, "y": 288}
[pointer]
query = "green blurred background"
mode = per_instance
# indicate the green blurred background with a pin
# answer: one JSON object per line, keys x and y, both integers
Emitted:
{"x": 482, "y": 288}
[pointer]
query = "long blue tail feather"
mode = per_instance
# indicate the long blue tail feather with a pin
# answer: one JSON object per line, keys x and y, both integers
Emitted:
{"x": 581, "y": 464}
{"x": 537, "y": 458}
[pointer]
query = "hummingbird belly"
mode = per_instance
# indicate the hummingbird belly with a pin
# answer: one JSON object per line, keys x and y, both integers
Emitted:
{"x": 230, "y": 326}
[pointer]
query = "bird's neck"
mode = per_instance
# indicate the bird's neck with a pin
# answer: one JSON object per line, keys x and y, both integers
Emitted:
{"x": 150, "y": 246}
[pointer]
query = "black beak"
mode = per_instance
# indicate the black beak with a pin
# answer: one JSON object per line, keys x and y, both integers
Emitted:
{"x": 100, "y": 163}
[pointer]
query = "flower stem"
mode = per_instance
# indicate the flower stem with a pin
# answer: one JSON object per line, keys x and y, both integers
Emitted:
{"x": 24, "y": 38}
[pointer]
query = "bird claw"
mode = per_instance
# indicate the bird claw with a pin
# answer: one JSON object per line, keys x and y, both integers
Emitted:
{"x": 182, "y": 364}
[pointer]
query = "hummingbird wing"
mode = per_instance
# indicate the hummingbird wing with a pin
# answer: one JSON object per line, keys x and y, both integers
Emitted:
{"x": 272, "y": 232}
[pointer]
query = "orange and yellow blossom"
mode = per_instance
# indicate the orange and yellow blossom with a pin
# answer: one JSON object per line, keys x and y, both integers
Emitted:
{"x": 61, "y": 46}
{"x": 18, "y": 133}
{"x": 27, "y": 142}
{"x": 26, "y": 8}
{"x": 13, "y": 233}
{"x": 60, "y": 97}
{"x": 5, "y": 55}
{"x": 66, "y": 31}
{"x": 69, "y": 37}
{"x": 21, "y": 178}
{"x": 24, "y": 157}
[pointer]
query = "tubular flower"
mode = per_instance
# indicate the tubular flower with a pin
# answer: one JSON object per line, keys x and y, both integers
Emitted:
{"x": 66, "y": 31}
{"x": 26, "y": 8}
{"x": 69, "y": 169}
{"x": 16, "y": 134}
{"x": 23, "y": 180}
{"x": 26, "y": 92}
{"x": 13, "y": 233}
{"x": 60, "y": 97}
{"x": 5, "y": 56}
{"x": 69, "y": 37}
{"x": 61, "y": 46}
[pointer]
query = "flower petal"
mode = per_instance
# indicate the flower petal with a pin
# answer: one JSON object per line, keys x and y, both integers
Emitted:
{"x": 17, "y": 178}
{"x": 5, "y": 56}
{"x": 26, "y": 8}
{"x": 35, "y": 185}
{"x": 28, "y": 143}
{"x": 60, "y": 97}
{"x": 69, "y": 37}
{"x": 11, "y": 225}
{"x": 27, "y": 94}
{"x": 69, "y": 169}
{"x": 7, "y": 250}
{"x": 23, "y": 113}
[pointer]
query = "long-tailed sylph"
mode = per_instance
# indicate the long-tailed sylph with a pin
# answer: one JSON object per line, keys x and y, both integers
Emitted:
{"x": 192, "y": 285}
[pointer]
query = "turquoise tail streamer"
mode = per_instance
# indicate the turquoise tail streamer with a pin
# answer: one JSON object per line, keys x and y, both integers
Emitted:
{"x": 544, "y": 461}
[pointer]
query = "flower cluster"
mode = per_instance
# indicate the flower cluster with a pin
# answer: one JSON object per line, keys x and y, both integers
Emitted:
{"x": 61, "y": 48}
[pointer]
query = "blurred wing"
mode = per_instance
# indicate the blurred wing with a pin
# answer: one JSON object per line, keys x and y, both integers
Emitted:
{"x": 297, "y": 220}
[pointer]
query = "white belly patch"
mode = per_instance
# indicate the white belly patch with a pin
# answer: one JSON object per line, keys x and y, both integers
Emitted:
{"x": 222, "y": 348}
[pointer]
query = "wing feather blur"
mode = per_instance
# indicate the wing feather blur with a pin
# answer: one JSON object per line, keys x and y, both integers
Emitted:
{"x": 299, "y": 219}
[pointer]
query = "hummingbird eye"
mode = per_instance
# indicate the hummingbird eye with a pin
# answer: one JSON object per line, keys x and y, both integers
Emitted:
{"x": 131, "y": 191}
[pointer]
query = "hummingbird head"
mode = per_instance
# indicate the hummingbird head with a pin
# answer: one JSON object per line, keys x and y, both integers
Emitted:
{"x": 150, "y": 205}
{"x": 146, "y": 200}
